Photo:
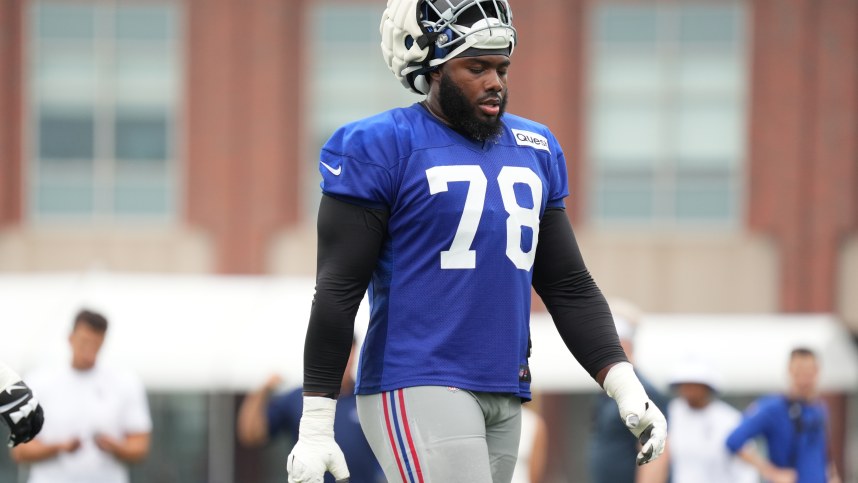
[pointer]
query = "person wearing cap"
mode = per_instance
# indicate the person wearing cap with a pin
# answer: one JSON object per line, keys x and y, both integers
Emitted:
{"x": 609, "y": 451}
{"x": 699, "y": 426}
{"x": 437, "y": 208}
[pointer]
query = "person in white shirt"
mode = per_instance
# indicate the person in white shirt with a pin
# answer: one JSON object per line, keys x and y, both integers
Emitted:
{"x": 99, "y": 416}
{"x": 700, "y": 424}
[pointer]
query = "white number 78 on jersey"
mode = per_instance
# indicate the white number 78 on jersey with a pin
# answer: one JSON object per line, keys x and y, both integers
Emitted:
{"x": 460, "y": 254}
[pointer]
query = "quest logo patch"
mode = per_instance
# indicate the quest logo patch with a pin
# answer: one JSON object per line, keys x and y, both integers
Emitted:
{"x": 527, "y": 138}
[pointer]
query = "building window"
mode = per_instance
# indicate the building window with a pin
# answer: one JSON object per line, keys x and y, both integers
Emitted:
{"x": 667, "y": 113}
{"x": 104, "y": 83}
{"x": 349, "y": 79}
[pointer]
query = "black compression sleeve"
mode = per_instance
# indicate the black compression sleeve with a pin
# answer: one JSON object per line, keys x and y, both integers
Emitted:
{"x": 349, "y": 240}
{"x": 573, "y": 299}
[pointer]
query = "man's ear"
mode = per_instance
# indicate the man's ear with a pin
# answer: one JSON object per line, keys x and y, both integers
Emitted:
{"x": 435, "y": 75}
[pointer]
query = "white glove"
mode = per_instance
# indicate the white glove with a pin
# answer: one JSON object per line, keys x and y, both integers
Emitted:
{"x": 316, "y": 451}
{"x": 637, "y": 411}
{"x": 19, "y": 409}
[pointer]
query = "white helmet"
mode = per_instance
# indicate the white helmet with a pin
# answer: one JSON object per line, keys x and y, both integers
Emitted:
{"x": 419, "y": 35}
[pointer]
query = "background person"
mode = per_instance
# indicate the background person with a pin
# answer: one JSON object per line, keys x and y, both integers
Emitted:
{"x": 99, "y": 416}
{"x": 699, "y": 426}
{"x": 263, "y": 415}
{"x": 794, "y": 426}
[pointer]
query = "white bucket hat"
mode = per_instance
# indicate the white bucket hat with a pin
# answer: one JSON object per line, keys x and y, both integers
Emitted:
{"x": 695, "y": 371}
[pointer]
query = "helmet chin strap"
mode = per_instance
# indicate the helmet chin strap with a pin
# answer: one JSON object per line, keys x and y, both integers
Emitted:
{"x": 421, "y": 83}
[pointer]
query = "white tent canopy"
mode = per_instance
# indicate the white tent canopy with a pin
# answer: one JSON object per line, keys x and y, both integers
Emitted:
{"x": 748, "y": 353}
{"x": 212, "y": 333}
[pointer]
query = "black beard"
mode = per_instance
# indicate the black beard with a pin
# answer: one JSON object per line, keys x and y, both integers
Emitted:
{"x": 462, "y": 116}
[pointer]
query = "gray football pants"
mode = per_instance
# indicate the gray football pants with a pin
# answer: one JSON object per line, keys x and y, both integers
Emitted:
{"x": 435, "y": 434}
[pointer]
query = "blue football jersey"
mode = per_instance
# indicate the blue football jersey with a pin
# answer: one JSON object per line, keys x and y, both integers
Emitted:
{"x": 450, "y": 296}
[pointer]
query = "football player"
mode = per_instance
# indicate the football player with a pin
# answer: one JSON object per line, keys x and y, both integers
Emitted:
{"x": 448, "y": 211}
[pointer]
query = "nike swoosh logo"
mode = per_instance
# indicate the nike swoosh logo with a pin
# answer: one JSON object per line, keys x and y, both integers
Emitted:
{"x": 11, "y": 405}
{"x": 335, "y": 172}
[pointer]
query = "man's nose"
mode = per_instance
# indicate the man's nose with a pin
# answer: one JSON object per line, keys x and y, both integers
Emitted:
{"x": 494, "y": 82}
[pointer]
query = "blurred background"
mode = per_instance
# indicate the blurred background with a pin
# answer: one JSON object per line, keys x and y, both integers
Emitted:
{"x": 158, "y": 162}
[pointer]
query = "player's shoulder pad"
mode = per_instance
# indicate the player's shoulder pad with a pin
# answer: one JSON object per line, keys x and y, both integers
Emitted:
{"x": 373, "y": 140}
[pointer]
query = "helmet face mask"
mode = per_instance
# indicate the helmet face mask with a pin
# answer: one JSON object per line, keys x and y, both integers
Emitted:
{"x": 420, "y": 35}
{"x": 443, "y": 13}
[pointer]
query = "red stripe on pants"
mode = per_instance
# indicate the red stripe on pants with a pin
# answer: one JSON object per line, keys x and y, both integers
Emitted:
{"x": 391, "y": 438}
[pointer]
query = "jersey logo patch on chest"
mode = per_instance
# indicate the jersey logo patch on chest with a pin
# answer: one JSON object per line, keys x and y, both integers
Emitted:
{"x": 532, "y": 139}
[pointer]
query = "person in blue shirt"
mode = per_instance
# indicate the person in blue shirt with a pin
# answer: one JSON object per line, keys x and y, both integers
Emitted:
{"x": 448, "y": 211}
{"x": 264, "y": 415}
{"x": 794, "y": 427}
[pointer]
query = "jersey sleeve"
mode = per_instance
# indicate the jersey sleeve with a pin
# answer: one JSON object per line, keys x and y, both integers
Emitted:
{"x": 558, "y": 180}
{"x": 357, "y": 161}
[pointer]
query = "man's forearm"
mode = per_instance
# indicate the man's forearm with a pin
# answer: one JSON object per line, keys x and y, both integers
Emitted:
{"x": 133, "y": 448}
{"x": 577, "y": 307}
{"x": 603, "y": 373}
{"x": 767, "y": 470}
{"x": 253, "y": 418}
{"x": 34, "y": 451}
{"x": 655, "y": 472}
{"x": 754, "y": 459}
{"x": 833, "y": 475}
